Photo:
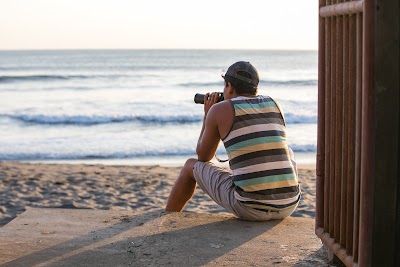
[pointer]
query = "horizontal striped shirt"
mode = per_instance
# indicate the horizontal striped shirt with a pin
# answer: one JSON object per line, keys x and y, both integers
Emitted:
{"x": 263, "y": 169}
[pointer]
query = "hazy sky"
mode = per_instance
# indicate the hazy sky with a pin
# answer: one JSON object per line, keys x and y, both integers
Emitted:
{"x": 215, "y": 24}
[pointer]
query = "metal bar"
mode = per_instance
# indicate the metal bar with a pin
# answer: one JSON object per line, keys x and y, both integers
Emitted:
{"x": 335, "y": 247}
{"x": 357, "y": 160}
{"x": 327, "y": 173}
{"x": 338, "y": 124}
{"x": 345, "y": 132}
{"x": 367, "y": 142}
{"x": 331, "y": 129}
{"x": 321, "y": 123}
{"x": 351, "y": 136}
{"x": 342, "y": 9}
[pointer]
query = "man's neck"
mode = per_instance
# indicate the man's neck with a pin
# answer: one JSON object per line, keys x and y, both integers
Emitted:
{"x": 246, "y": 95}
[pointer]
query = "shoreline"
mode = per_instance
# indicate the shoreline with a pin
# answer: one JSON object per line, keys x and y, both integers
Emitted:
{"x": 303, "y": 159}
{"x": 139, "y": 188}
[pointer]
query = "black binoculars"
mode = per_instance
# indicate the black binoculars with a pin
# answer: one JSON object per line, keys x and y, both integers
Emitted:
{"x": 199, "y": 98}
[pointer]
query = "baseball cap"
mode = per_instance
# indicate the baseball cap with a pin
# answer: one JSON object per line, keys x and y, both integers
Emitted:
{"x": 243, "y": 66}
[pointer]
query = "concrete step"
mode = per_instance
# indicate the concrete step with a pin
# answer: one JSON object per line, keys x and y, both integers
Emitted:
{"x": 76, "y": 237}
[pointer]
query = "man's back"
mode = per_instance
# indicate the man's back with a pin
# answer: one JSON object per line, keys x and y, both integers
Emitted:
{"x": 259, "y": 156}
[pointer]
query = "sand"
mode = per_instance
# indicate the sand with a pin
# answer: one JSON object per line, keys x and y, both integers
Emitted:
{"x": 131, "y": 188}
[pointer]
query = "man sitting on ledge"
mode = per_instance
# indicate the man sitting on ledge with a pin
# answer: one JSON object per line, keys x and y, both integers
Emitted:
{"x": 263, "y": 184}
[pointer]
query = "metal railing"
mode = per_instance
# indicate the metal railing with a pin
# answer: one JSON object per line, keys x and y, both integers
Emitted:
{"x": 344, "y": 160}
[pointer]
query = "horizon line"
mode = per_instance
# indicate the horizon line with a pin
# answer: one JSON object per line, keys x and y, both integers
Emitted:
{"x": 110, "y": 49}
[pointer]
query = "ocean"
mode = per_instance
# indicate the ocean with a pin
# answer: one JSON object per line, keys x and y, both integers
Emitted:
{"x": 136, "y": 106}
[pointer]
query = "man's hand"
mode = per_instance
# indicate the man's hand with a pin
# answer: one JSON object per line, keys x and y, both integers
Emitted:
{"x": 209, "y": 100}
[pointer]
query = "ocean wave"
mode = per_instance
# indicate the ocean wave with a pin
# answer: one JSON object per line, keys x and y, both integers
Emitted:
{"x": 122, "y": 155}
{"x": 41, "y": 78}
{"x": 218, "y": 83}
{"x": 202, "y": 84}
{"x": 291, "y": 118}
{"x": 10, "y": 79}
{"x": 263, "y": 83}
{"x": 151, "y": 119}
{"x": 303, "y": 148}
{"x": 82, "y": 156}
{"x": 97, "y": 119}
{"x": 287, "y": 83}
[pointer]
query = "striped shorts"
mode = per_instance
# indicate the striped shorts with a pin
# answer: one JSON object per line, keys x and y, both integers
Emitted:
{"x": 217, "y": 183}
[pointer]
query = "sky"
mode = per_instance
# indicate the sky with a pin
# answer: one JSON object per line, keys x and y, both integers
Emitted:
{"x": 159, "y": 24}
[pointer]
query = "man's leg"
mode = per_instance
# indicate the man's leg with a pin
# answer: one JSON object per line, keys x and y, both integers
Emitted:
{"x": 183, "y": 188}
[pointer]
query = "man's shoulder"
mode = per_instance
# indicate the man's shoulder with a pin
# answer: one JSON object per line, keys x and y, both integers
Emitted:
{"x": 222, "y": 114}
{"x": 223, "y": 106}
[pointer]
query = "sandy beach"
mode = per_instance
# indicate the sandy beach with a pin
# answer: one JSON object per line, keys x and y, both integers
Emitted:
{"x": 107, "y": 187}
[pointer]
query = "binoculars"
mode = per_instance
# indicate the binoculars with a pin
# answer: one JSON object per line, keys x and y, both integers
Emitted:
{"x": 199, "y": 98}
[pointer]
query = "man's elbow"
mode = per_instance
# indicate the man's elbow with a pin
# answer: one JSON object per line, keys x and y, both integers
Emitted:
{"x": 202, "y": 157}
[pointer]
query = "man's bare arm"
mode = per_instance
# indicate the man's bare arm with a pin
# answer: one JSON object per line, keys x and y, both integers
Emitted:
{"x": 209, "y": 136}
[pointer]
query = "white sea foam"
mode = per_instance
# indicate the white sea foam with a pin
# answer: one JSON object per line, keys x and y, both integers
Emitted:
{"x": 100, "y": 119}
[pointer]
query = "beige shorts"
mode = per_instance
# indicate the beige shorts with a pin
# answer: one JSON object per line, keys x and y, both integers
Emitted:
{"x": 217, "y": 183}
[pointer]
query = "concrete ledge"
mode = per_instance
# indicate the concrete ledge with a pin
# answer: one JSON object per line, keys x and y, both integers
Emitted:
{"x": 71, "y": 237}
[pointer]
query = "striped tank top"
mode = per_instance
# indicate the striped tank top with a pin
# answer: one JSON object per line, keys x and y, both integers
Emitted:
{"x": 263, "y": 167}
